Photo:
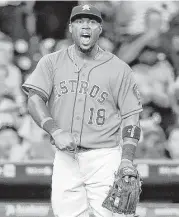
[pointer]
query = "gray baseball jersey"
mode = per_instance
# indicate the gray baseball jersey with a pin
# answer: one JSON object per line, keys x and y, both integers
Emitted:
{"x": 90, "y": 102}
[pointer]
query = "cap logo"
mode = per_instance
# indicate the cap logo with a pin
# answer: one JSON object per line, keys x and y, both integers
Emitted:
{"x": 86, "y": 7}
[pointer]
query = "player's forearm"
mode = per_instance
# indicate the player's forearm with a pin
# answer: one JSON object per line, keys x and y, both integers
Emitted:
{"x": 131, "y": 136}
{"x": 41, "y": 115}
{"x": 129, "y": 149}
{"x": 130, "y": 52}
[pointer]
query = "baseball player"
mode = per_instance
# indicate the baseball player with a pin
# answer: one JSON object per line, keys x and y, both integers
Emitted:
{"x": 87, "y": 100}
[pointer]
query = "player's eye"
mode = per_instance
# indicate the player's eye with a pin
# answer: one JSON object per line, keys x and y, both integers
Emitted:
{"x": 78, "y": 21}
{"x": 93, "y": 21}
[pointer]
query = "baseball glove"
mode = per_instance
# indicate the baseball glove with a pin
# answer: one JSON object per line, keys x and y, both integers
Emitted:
{"x": 123, "y": 196}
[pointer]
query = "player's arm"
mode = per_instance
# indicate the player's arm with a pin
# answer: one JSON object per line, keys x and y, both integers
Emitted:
{"x": 121, "y": 198}
{"x": 130, "y": 51}
{"x": 39, "y": 111}
{"x": 130, "y": 107}
{"x": 130, "y": 135}
{"x": 38, "y": 87}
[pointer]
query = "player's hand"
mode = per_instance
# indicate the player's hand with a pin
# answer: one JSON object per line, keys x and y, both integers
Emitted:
{"x": 63, "y": 140}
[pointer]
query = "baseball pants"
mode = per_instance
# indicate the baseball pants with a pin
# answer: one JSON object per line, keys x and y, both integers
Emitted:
{"x": 81, "y": 182}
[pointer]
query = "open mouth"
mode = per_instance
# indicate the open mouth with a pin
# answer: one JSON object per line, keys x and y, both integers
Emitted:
{"x": 85, "y": 38}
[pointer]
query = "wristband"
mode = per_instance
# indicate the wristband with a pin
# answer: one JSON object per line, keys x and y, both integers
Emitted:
{"x": 56, "y": 132}
{"x": 131, "y": 131}
{"x": 131, "y": 143}
{"x": 126, "y": 160}
{"x": 49, "y": 125}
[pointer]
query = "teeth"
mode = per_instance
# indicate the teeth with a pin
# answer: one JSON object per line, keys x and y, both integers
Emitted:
{"x": 85, "y": 40}
{"x": 86, "y": 35}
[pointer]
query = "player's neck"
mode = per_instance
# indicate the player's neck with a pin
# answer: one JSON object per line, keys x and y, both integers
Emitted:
{"x": 87, "y": 55}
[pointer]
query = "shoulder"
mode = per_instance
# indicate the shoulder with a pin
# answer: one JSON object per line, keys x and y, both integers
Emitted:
{"x": 53, "y": 59}
{"x": 116, "y": 69}
{"x": 119, "y": 65}
{"x": 56, "y": 55}
{"x": 119, "y": 61}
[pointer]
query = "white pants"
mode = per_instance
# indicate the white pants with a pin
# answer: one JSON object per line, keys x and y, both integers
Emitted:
{"x": 80, "y": 184}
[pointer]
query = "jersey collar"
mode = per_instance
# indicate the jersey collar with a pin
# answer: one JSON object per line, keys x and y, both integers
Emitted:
{"x": 103, "y": 57}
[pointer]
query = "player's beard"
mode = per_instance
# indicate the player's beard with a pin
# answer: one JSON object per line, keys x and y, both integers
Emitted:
{"x": 86, "y": 51}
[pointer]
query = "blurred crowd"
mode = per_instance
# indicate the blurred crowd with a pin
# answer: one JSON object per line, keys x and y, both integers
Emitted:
{"x": 142, "y": 33}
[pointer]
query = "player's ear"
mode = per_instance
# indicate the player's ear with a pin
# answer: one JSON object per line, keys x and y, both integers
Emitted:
{"x": 101, "y": 28}
{"x": 70, "y": 28}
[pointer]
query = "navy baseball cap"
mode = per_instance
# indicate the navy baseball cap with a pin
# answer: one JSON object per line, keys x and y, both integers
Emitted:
{"x": 85, "y": 10}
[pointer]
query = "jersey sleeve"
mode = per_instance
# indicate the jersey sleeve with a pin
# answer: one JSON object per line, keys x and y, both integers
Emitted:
{"x": 129, "y": 100}
{"x": 41, "y": 78}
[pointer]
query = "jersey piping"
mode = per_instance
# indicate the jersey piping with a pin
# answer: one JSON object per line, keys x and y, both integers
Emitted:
{"x": 72, "y": 121}
{"x": 84, "y": 107}
{"x": 131, "y": 113}
{"x": 26, "y": 88}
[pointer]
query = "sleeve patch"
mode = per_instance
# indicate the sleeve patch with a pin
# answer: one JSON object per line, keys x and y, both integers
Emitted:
{"x": 137, "y": 93}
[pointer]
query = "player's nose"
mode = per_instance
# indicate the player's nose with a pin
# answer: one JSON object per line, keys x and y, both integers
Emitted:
{"x": 85, "y": 25}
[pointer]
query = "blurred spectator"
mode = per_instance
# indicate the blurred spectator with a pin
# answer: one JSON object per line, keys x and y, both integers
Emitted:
{"x": 136, "y": 48}
{"x": 174, "y": 96}
{"x": 50, "y": 45}
{"x": 153, "y": 144}
{"x": 54, "y": 16}
{"x": 9, "y": 112}
{"x": 153, "y": 72}
{"x": 11, "y": 147}
{"x": 10, "y": 75}
{"x": 64, "y": 43}
{"x": 36, "y": 139}
{"x": 155, "y": 82}
{"x": 46, "y": 46}
{"x": 106, "y": 44}
{"x": 130, "y": 19}
{"x": 8, "y": 139}
{"x": 109, "y": 11}
{"x": 171, "y": 43}
{"x": 13, "y": 16}
{"x": 139, "y": 9}
{"x": 123, "y": 16}
{"x": 20, "y": 138}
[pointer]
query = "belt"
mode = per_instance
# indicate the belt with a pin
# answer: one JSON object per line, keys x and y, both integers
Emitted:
{"x": 83, "y": 149}
{"x": 79, "y": 149}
